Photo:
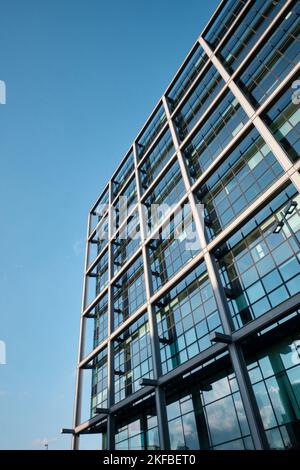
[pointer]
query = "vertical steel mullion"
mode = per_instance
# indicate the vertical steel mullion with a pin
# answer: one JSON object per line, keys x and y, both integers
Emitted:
{"x": 160, "y": 399}
{"x": 251, "y": 409}
{"x": 257, "y": 121}
{"x": 81, "y": 342}
{"x": 110, "y": 347}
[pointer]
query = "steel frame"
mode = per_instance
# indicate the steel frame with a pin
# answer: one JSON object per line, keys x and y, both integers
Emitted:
{"x": 291, "y": 173}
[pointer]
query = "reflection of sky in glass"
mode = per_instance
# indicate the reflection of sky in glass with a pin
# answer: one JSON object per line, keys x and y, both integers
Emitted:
{"x": 222, "y": 421}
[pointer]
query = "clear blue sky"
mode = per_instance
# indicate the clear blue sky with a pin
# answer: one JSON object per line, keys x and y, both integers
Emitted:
{"x": 82, "y": 76}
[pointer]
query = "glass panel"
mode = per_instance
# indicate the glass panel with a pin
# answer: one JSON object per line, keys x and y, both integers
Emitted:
{"x": 274, "y": 59}
{"x": 223, "y": 21}
{"x": 122, "y": 175}
{"x": 247, "y": 32}
{"x": 133, "y": 359}
{"x": 186, "y": 316}
{"x": 139, "y": 432}
{"x": 100, "y": 326}
{"x": 124, "y": 204}
{"x": 278, "y": 392}
{"x": 245, "y": 174}
{"x": 126, "y": 242}
{"x": 187, "y": 76}
{"x": 166, "y": 193}
{"x": 283, "y": 118}
{"x": 156, "y": 160}
{"x": 206, "y": 89}
{"x": 177, "y": 243}
{"x": 99, "y": 382}
{"x": 151, "y": 131}
{"x": 258, "y": 262}
{"x": 227, "y": 119}
{"x": 129, "y": 292}
{"x": 202, "y": 425}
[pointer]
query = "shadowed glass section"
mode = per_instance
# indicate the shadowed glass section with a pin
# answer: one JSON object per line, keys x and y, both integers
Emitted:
{"x": 125, "y": 203}
{"x": 129, "y": 292}
{"x": 122, "y": 175}
{"x": 99, "y": 382}
{"x": 165, "y": 194}
{"x": 126, "y": 242}
{"x": 100, "y": 322}
{"x": 132, "y": 352}
{"x": 102, "y": 273}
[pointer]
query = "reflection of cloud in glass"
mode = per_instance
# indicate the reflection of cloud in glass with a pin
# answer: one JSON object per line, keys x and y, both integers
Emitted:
{"x": 176, "y": 434}
{"x": 190, "y": 431}
{"x": 219, "y": 390}
{"x": 222, "y": 420}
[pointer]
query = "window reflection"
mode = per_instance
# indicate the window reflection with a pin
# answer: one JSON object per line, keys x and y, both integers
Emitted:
{"x": 210, "y": 417}
{"x": 275, "y": 375}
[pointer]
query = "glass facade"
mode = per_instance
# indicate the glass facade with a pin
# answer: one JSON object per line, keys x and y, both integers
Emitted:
{"x": 214, "y": 134}
{"x": 274, "y": 374}
{"x": 187, "y": 76}
{"x": 177, "y": 243}
{"x": 128, "y": 292}
{"x": 248, "y": 171}
{"x": 209, "y": 417}
{"x": 199, "y": 100}
{"x": 248, "y": 32}
{"x": 151, "y": 131}
{"x": 186, "y": 316}
{"x": 261, "y": 267}
{"x": 132, "y": 358}
{"x": 193, "y": 300}
{"x": 274, "y": 59}
{"x": 283, "y": 119}
{"x": 156, "y": 160}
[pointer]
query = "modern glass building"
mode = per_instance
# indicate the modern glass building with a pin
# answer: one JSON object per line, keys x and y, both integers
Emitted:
{"x": 198, "y": 347}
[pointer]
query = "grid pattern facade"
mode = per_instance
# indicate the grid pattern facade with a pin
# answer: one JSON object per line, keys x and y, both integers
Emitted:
{"x": 199, "y": 348}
